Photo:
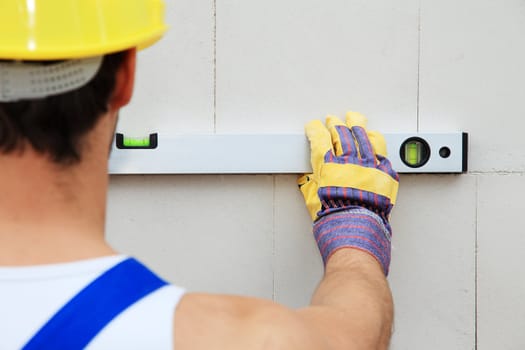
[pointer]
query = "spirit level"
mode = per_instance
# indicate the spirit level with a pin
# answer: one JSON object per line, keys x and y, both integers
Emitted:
{"x": 273, "y": 153}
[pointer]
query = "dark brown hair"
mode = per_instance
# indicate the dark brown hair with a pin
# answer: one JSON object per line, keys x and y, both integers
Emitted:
{"x": 55, "y": 125}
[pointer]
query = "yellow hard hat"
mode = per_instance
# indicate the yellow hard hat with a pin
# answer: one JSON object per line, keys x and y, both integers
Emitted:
{"x": 70, "y": 29}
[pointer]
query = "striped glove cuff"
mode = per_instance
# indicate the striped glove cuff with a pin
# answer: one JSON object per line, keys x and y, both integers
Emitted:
{"x": 357, "y": 228}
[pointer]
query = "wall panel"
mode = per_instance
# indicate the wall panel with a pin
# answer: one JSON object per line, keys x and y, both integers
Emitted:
{"x": 270, "y": 66}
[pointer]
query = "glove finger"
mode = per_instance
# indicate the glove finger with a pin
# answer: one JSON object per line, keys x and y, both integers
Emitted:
{"x": 355, "y": 119}
{"x": 378, "y": 143}
{"x": 342, "y": 139}
{"x": 320, "y": 143}
{"x": 366, "y": 151}
{"x": 303, "y": 179}
{"x": 309, "y": 187}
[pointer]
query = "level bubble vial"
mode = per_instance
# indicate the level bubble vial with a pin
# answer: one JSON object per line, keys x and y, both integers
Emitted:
{"x": 136, "y": 142}
{"x": 415, "y": 152}
{"x": 141, "y": 142}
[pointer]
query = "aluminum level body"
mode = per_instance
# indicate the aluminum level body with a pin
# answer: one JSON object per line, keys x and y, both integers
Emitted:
{"x": 268, "y": 154}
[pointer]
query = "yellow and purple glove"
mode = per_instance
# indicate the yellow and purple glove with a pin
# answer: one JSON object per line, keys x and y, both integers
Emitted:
{"x": 352, "y": 188}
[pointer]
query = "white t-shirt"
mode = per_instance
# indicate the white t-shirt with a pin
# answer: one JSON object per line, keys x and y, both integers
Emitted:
{"x": 29, "y": 296}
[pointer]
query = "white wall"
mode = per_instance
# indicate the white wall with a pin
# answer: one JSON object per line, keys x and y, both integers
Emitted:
{"x": 270, "y": 66}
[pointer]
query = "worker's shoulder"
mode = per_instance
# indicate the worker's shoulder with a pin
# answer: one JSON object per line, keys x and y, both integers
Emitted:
{"x": 205, "y": 321}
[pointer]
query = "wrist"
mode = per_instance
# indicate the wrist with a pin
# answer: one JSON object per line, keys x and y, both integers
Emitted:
{"x": 357, "y": 229}
{"x": 350, "y": 258}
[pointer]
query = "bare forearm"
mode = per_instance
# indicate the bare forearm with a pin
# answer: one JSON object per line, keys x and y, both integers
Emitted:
{"x": 352, "y": 307}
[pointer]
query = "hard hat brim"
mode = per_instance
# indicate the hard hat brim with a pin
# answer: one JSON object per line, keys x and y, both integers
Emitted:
{"x": 82, "y": 51}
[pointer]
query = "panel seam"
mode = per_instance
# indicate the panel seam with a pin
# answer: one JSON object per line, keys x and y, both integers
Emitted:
{"x": 274, "y": 190}
{"x": 418, "y": 64}
{"x": 214, "y": 39}
{"x": 476, "y": 260}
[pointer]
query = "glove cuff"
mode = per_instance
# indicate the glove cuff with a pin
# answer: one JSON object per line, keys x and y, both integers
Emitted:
{"x": 357, "y": 228}
{"x": 334, "y": 199}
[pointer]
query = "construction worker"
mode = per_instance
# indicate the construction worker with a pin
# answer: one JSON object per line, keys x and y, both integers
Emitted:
{"x": 66, "y": 68}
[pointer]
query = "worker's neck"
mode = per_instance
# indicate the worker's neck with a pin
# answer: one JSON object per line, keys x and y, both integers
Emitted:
{"x": 50, "y": 214}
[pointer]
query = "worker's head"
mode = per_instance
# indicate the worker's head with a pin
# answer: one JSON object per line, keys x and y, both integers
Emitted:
{"x": 66, "y": 63}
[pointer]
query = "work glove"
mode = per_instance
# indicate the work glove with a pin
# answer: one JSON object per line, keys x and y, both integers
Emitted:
{"x": 352, "y": 188}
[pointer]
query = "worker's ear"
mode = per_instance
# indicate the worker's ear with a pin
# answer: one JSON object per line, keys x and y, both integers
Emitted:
{"x": 125, "y": 80}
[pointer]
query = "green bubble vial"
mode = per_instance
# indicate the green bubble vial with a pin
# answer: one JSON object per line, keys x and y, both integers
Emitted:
{"x": 136, "y": 142}
{"x": 413, "y": 153}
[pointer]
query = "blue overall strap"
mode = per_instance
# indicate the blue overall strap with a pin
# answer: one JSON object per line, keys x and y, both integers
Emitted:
{"x": 88, "y": 312}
